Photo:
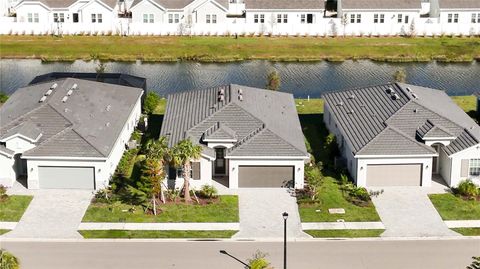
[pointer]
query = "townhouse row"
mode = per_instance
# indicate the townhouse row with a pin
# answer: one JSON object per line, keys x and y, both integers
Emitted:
{"x": 258, "y": 17}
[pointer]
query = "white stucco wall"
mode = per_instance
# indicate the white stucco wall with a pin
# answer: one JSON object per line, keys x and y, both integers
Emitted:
{"x": 235, "y": 163}
{"x": 456, "y": 161}
{"x": 362, "y": 164}
{"x": 147, "y": 7}
{"x": 7, "y": 170}
{"x": 108, "y": 17}
{"x": 18, "y": 144}
{"x": 206, "y": 166}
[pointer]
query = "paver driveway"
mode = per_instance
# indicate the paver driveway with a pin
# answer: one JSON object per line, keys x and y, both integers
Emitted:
{"x": 52, "y": 214}
{"x": 408, "y": 212}
{"x": 261, "y": 214}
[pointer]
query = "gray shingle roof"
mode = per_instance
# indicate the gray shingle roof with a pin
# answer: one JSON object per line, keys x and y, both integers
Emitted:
{"x": 380, "y": 4}
{"x": 95, "y": 111}
{"x": 67, "y": 3}
{"x": 464, "y": 141}
{"x": 363, "y": 114}
{"x": 192, "y": 113}
{"x": 220, "y": 132}
{"x": 454, "y": 4}
{"x": 6, "y": 151}
{"x": 284, "y": 4}
{"x": 177, "y": 4}
{"x": 27, "y": 129}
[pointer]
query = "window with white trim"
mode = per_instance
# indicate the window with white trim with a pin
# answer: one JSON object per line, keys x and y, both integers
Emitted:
{"x": 148, "y": 18}
{"x": 211, "y": 18}
{"x": 173, "y": 18}
{"x": 207, "y": 18}
{"x": 58, "y": 17}
{"x": 355, "y": 18}
{"x": 474, "y": 167}
{"x": 214, "y": 18}
{"x": 452, "y": 18}
{"x": 475, "y": 18}
{"x": 378, "y": 18}
{"x": 282, "y": 18}
{"x": 32, "y": 17}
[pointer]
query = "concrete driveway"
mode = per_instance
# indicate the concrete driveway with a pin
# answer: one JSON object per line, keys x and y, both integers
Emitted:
{"x": 51, "y": 214}
{"x": 261, "y": 214}
{"x": 408, "y": 212}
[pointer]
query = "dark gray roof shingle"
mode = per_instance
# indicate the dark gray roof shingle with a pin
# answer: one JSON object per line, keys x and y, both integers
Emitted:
{"x": 96, "y": 111}
{"x": 178, "y": 4}
{"x": 363, "y": 114}
{"x": 190, "y": 114}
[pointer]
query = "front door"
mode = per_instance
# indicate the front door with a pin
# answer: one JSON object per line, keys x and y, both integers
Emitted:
{"x": 220, "y": 166}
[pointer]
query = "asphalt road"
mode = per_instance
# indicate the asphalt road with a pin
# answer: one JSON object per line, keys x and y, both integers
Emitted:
{"x": 404, "y": 254}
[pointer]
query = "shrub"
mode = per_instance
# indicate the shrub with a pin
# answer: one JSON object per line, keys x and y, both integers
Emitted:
{"x": 313, "y": 178}
{"x": 3, "y": 193}
{"x": 357, "y": 195}
{"x": 259, "y": 261}
{"x": 126, "y": 162}
{"x": 8, "y": 261}
{"x": 105, "y": 196}
{"x": 208, "y": 191}
{"x": 3, "y": 97}
{"x": 151, "y": 102}
{"x": 467, "y": 188}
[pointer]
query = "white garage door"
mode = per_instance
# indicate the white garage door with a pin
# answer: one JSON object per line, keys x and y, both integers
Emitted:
{"x": 55, "y": 177}
{"x": 265, "y": 176}
{"x": 394, "y": 175}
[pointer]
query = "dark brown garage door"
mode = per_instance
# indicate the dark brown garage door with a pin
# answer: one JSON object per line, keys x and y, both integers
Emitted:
{"x": 265, "y": 176}
{"x": 394, "y": 175}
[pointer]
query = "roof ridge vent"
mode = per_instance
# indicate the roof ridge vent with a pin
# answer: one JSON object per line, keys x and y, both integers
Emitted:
{"x": 414, "y": 96}
{"x": 47, "y": 93}
{"x": 64, "y": 99}
{"x": 390, "y": 90}
{"x": 408, "y": 89}
{"x": 395, "y": 96}
{"x": 69, "y": 92}
{"x": 42, "y": 99}
{"x": 352, "y": 96}
{"x": 340, "y": 103}
{"x": 54, "y": 86}
{"x": 74, "y": 86}
{"x": 351, "y": 111}
{"x": 109, "y": 107}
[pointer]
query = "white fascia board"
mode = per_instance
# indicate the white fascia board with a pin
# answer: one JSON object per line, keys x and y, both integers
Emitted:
{"x": 208, "y": 157}
{"x": 267, "y": 157}
{"x": 6, "y": 154}
{"x": 98, "y": 1}
{"x": 382, "y": 10}
{"x": 459, "y": 9}
{"x": 23, "y": 137}
{"x": 220, "y": 140}
{"x": 474, "y": 146}
{"x": 98, "y": 159}
{"x": 284, "y": 10}
{"x": 394, "y": 156}
{"x": 32, "y": 2}
{"x": 439, "y": 138}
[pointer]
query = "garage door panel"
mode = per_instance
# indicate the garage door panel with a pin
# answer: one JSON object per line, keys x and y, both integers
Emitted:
{"x": 264, "y": 176}
{"x": 55, "y": 177}
{"x": 394, "y": 175}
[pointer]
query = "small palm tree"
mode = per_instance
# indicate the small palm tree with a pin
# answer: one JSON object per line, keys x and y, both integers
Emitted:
{"x": 182, "y": 155}
{"x": 156, "y": 155}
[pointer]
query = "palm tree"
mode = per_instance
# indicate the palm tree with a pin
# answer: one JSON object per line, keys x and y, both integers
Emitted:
{"x": 182, "y": 155}
{"x": 156, "y": 155}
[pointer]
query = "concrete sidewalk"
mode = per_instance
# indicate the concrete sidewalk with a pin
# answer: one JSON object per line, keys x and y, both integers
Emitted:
{"x": 192, "y": 226}
{"x": 342, "y": 225}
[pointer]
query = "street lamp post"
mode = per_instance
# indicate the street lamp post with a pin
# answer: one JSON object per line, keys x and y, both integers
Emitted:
{"x": 285, "y": 217}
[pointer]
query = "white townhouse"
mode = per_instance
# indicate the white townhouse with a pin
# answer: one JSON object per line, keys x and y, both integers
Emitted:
{"x": 66, "y": 16}
{"x": 179, "y": 17}
{"x": 285, "y": 17}
{"x": 66, "y": 133}
{"x": 459, "y": 17}
{"x": 378, "y": 17}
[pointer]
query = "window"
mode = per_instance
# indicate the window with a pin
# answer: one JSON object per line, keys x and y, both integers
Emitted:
{"x": 475, "y": 167}
{"x": 282, "y": 18}
{"x": 452, "y": 18}
{"x": 99, "y": 18}
{"x": 255, "y": 18}
{"x": 400, "y": 18}
{"x": 262, "y": 18}
{"x": 375, "y": 18}
{"x": 303, "y": 18}
{"x": 406, "y": 19}
{"x": 173, "y": 18}
{"x": 58, "y": 17}
{"x": 475, "y": 18}
{"x": 211, "y": 18}
{"x": 148, "y": 18}
{"x": 208, "y": 18}
{"x": 94, "y": 18}
{"x": 382, "y": 18}
{"x": 214, "y": 18}
{"x": 455, "y": 18}
{"x": 378, "y": 18}
{"x": 75, "y": 17}
{"x": 30, "y": 17}
{"x": 259, "y": 18}
{"x": 35, "y": 17}
{"x": 355, "y": 18}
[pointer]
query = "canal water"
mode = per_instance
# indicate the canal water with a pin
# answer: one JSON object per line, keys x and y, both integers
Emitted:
{"x": 301, "y": 79}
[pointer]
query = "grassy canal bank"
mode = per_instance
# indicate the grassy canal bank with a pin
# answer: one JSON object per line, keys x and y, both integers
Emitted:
{"x": 228, "y": 49}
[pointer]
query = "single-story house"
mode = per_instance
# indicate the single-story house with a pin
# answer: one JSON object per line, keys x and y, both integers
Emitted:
{"x": 250, "y": 137}
{"x": 400, "y": 135}
{"x": 66, "y": 133}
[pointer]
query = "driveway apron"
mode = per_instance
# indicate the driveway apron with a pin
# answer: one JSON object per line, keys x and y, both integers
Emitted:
{"x": 53, "y": 214}
{"x": 261, "y": 214}
{"x": 408, "y": 212}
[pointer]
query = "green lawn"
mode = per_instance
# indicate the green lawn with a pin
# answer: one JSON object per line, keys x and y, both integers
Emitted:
{"x": 330, "y": 196}
{"x": 156, "y": 234}
{"x": 344, "y": 233}
{"x": 225, "y": 210}
{"x": 468, "y": 231}
{"x": 224, "y": 49}
{"x": 3, "y": 231}
{"x": 312, "y": 106}
{"x": 451, "y": 207}
{"x": 13, "y": 208}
